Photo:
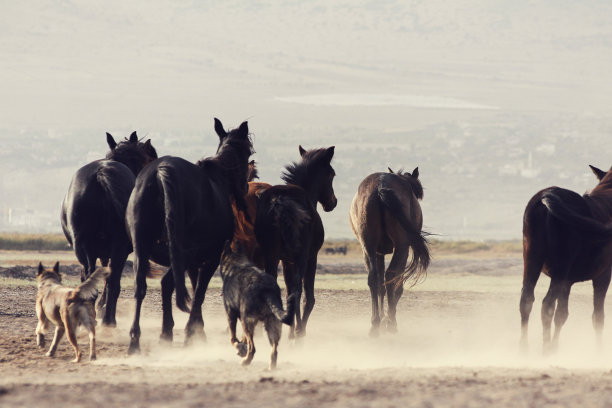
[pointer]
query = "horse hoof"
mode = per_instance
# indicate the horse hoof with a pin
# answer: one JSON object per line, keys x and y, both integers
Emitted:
{"x": 241, "y": 349}
{"x": 245, "y": 362}
{"x": 134, "y": 349}
{"x": 49, "y": 354}
{"x": 374, "y": 332}
{"x": 165, "y": 339}
{"x": 111, "y": 324}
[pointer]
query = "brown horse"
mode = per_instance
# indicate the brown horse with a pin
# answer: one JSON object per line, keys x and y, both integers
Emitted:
{"x": 244, "y": 233}
{"x": 289, "y": 229}
{"x": 386, "y": 218}
{"x": 568, "y": 237}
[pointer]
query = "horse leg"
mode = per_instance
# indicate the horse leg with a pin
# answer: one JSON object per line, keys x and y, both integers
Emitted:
{"x": 113, "y": 287}
{"x": 548, "y": 311}
{"x": 309, "y": 280}
{"x": 195, "y": 324}
{"x": 600, "y": 288}
{"x": 141, "y": 266}
{"x": 395, "y": 287}
{"x": 380, "y": 269}
{"x": 293, "y": 282}
{"x": 374, "y": 282}
{"x": 561, "y": 313}
{"x": 167, "y": 287}
{"x": 531, "y": 273}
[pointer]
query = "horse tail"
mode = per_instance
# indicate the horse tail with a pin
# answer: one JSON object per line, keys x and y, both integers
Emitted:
{"x": 117, "y": 193}
{"x": 417, "y": 268}
{"x": 276, "y": 307}
{"x": 88, "y": 290}
{"x": 172, "y": 201}
{"x": 559, "y": 209}
{"x": 288, "y": 216}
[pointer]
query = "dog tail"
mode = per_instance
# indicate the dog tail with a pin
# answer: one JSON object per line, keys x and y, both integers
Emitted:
{"x": 276, "y": 307}
{"x": 88, "y": 290}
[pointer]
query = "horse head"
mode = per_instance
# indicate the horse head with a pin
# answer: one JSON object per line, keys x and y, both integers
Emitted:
{"x": 315, "y": 175}
{"x": 131, "y": 152}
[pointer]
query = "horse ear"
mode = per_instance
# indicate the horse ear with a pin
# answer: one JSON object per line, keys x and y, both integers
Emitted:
{"x": 302, "y": 150}
{"x": 56, "y": 267}
{"x": 111, "y": 141}
{"x": 390, "y": 171}
{"x": 219, "y": 129}
{"x": 134, "y": 137}
{"x": 330, "y": 152}
{"x": 415, "y": 173}
{"x": 598, "y": 173}
{"x": 40, "y": 269}
{"x": 244, "y": 129}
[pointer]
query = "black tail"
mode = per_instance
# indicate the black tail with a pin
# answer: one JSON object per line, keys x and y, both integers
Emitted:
{"x": 417, "y": 268}
{"x": 276, "y": 307}
{"x": 171, "y": 203}
{"x": 117, "y": 193}
{"x": 559, "y": 209}
{"x": 288, "y": 216}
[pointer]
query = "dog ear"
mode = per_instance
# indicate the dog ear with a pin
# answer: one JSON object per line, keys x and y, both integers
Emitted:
{"x": 227, "y": 248}
{"x": 40, "y": 268}
{"x": 56, "y": 268}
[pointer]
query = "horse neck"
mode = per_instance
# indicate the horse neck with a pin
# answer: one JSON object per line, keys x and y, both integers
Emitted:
{"x": 600, "y": 203}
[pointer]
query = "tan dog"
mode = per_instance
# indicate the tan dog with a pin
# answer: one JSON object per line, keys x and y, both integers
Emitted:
{"x": 67, "y": 308}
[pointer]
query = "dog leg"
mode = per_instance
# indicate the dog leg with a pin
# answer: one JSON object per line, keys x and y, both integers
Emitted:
{"x": 41, "y": 329}
{"x": 274, "y": 329}
{"x": 59, "y": 332}
{"x": 249, "y": 330}
{"x": 71, "y": 334}
{"x": 92, "y": 344}
{"x": 241, "y": 348}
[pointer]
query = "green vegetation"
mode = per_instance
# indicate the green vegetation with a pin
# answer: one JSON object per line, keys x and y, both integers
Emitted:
{"x": 33, "y": 242}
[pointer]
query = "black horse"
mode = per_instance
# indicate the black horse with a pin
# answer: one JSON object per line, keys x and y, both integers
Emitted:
{"x": 569, "y": 238}
{"x": 180, "y": 215}
{"x": 93, "y": 212}
{"x": 289, "y": 229}
{"x": 386, "y": 217}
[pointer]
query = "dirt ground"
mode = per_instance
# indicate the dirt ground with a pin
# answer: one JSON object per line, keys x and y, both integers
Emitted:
{"x": 457, "y": 346}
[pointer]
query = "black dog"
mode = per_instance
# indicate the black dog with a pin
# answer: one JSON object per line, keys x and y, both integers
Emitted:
{"x": 251, "y": 295}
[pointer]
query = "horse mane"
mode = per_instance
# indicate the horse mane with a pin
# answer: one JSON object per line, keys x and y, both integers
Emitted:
{"x": 300, "y": 173}
{"x": 415, "y": 183}
{"x": 134, "y": 155}
{"x": 600, "y": 198}
{"x": 252, "y": 172}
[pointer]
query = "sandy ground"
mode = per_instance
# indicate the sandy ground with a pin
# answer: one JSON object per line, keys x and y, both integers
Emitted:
{"x": 457, "y": 346}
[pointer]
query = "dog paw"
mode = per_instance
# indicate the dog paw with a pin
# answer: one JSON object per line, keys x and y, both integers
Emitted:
{"x": 241, "y": 349}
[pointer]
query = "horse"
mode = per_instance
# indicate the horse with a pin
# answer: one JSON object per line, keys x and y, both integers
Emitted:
{"x": 288, "y": 227}
{"x": 569, "y": 238}
{"x": 386, "y": 218}
{"x": 93, "y": 212}
{"x": 244, "y": 235}
{"x": 180, "y": 215}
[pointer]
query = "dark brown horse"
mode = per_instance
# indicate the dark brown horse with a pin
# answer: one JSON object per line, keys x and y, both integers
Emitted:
{"x": 244, "y": 235}
{"x": 93, "y": 212}
{"x": 386, "y": 218}
{"x": 180, "y": 215}
{"x": 569, "y": 238}
{"x": 289, "y": 229}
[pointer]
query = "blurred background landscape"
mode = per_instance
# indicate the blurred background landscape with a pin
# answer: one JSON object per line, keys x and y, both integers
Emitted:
{"x": 492, "y": 100}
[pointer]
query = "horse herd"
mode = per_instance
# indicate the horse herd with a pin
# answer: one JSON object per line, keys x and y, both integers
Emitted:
{"x": 181, "y": 214}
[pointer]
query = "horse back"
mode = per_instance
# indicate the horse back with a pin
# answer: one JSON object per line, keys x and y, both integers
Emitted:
{"x": 376, "y": 223}
{"x": 286, "y": 222}
{"x": 559, "y": 246}
{"x": 94, "y": 207}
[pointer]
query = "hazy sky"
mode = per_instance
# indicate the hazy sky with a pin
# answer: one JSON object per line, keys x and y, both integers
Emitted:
{"x": 296, "y": 68}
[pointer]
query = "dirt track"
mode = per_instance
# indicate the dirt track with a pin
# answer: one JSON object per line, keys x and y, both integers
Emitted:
{"x": 456, "y": 346}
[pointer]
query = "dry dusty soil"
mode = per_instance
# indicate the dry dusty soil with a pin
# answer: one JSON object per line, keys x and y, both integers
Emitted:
{"x": 457, "y": 346}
